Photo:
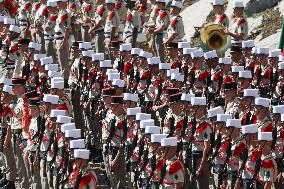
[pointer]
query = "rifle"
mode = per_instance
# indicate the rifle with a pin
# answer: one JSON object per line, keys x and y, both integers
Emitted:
{"x": 274, "y": 135}
{"x": 153, "y": 162}
{"x": 137, "y": 80}
{"x": 120, "y": 66}
{"x": 244, "y": 158}
{"x": 109, "y": 138}
{"x": 217, "y": 144}
{"x": 188, "y": 155}
{"x": 171, "y": 126}
{"x": 140, "y": 153}
{"x": 228, "y": 155}
{"x": 163, "y": 173}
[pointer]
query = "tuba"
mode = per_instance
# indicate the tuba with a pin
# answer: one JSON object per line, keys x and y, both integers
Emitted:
{"x": 212, "y": 37}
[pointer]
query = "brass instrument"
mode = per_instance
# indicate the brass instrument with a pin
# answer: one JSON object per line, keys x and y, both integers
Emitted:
{"x": 212, "y": 37}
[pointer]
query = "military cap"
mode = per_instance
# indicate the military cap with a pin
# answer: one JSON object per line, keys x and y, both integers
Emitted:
{"x": 24, "y": 41}
{"x": 32, "y": 94}
{"x": 172, "y": 46}
{"x": 115, "y": 44}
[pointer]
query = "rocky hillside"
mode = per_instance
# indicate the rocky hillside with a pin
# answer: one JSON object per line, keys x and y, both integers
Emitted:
{"x": 264, "y": 17}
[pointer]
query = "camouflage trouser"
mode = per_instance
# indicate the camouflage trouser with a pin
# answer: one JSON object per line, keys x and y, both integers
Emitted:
{"x": 199, "y": 182}
{"x": 20, "y": 164}
{"x": 43, "y": 174}
{"x": 85, "y": 33}
{"x": 63, "y": 59}
{"x": 8, "y": 161}
{"x": 99, "y": 41}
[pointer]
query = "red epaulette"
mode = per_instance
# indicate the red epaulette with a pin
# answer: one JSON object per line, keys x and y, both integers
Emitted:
{"x": 267, "y": 73}
{"x": 157, "y": 82}
{"x": 44, "y": 12}
{"x": 239, "y": 149}
{"x": 111, "y": 15}
{"x": 145, "y": 75}
{"x": 37, "y": 6}
{"x": 72, "y": 6}
{"x": 156, "y": 11}
{"x": 255, "y": 154}
{"x": 63, "y": 18}
{"x": 14, "y": 48}
{"x": 202, "y": 126}
{"x": 53, "y": 18}
{"x": 222, "y": 18}
{"x": 173, "y": 23}
{"x": 86, "y": 180}
{"x": 203, "y": 75}
{"x": 225, "y": 144}
{"x": 175, "y": 167}
{"x": 101, "y": 11}
{"x": 163, "y": 14}
{"x": 268, "y": 128}
{"x": 88, "y": 8}
{"x": 128, "y": 17}
{"x": 160, "y": 164}
{"x": 179, "y": 125}
{"x": 175, "y": 65}
{"x": 240, "y": 21}
{"x": 217, "y": 75}
{"x": 27, "y": 6}
{"x": 267, "y": 164}
{"x": 127, "y": 67}
{"x": 117, "y": 5}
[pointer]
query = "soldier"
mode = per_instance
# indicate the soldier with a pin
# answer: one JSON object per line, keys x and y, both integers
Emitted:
{"x": 200, "y": 138}
{"x": 161, "y": 24}
{"x": 98, "y": 27}
{"x": 85, "y": 176}
{"x": 62, "y": 31}
{"x": 111, "y": 26}
{"x": 49, "y": 102}
{"x": 220, "y": 17}
{"x": 132, "y": 24}
{"x": 175, "y": 31}
{"x": 33, "y": 142}
{"x": 263, "y": 77}
{"x": 250, "y": 156}
{"x": 237, "y": 147}
{"x": 230, "y": 93}
{"x": 222, "y": 138}
{"x": 18, "y": 135}
{"x": 48, "y": 28}
{"x": 268, "y": 168}
{"x": 23, "y": 18}
{"x": 247, "y": 51}
{"x": 40, "y": 17}
{"x": 264, "y": 121}
{"x": 87, "y": 14}
{"x": 172, "y": 173}
{"x": 279, "y": 90}
{"x": 240, "y": 27}
{"x": 6, "y": 135}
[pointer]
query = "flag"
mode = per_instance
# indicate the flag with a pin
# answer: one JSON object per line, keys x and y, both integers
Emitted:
{"x": 281, "y": 43}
